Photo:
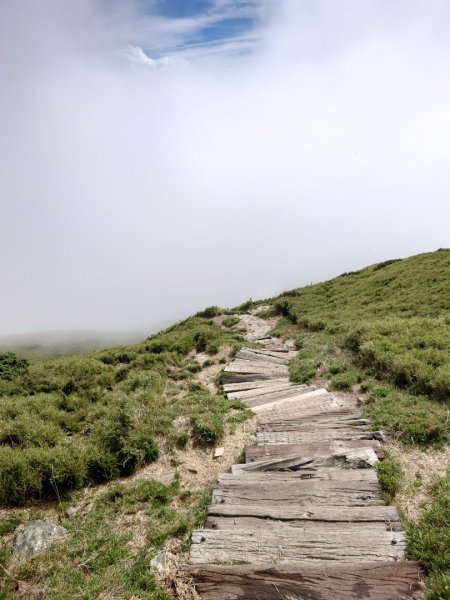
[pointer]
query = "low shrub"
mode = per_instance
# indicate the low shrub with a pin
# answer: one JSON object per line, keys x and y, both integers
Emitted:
{"x": 344, "y": 381}
{"x": 11, "y": 365}
{"x": 208, "y": 429}
{"x": 210, "y": 312}
{"x": 303, "y": 370}
{"x": 429, "y": 539}
{"x": 390, "y": 476}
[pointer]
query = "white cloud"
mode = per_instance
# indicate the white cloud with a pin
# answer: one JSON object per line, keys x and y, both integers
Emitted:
{"x": 131, "y": 196}
{"x": 138, "y": 57}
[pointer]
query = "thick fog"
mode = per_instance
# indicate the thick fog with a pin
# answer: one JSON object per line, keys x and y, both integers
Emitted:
{"x": 144, "y": 177}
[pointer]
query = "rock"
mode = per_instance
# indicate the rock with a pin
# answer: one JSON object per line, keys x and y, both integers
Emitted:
{"x": 167, "y": 478}
{"x": 218, "y": 452}
{"x": 71, "y": 511}
{"x": 36, "y": 537}
{"x": 161, "y": 564}
{"x": 361, "y": 458}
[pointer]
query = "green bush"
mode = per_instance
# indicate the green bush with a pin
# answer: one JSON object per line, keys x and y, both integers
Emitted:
{"x": 391, "y": 477}
{"x": 210, "y": 312}
{"x": 11, "y": 366}
{"x": 230, "y": 321}
{"x": 39, "y": 473}
{"x": 101, "y": 465}
{"x": 129, "y": 440}
{"x": 344, "y": 381}
{"x": 208, "y": 429}
{"x": 429, "y": 540}
{"x": 303, "y": 370}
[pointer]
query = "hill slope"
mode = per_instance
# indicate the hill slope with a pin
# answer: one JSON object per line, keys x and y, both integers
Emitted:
{"x": 382, "y": 333}
{"x": 386, "y": 327}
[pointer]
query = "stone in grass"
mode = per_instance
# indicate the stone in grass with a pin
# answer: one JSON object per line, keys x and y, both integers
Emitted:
{"x": 36, "y": 537}
{"x": 162, "y": 564}
{"x": 361, "y": 458}
{"x": 167, "y": 478}
{"x": 218, "y": 452}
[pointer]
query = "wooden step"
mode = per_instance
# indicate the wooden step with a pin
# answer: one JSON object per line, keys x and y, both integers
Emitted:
{"x": 279, "y": 389}
{"x": 245, "y": 366}
{"x": 248, "y": 385}
{"x": 281, "y": 478}
{"x": 301, "y": 492}
{"x": 262, "y": 396}
{"x": 286, "y": 543}
{"x": 340, "y": 418}
{"x": 310, "y": 450}
{"x": 285, "y": 353}
{"x": 314, "y": 435}
{"x": 322, "y": 580}
{"x": 246, "y": 377}
{"x": 293, "y": 512}
{"x": 307, "y": 527}
{"x": 348, "y": 458}
{"x": 295, "y": 412}
{"x": 327, "y": 400}
{"x": 267, "y": 357}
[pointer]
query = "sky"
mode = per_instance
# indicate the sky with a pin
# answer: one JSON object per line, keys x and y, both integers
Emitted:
{"x": 160, "y": 156}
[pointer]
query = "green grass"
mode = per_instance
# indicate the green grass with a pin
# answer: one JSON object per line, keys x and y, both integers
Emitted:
{"x": 384, "y": 332}
{"x": 97, "y": 558}
{"x": 386, "y": 328}
{"x": 81, "y": 420}
{"x": 391, "y": 477}
{"x": 429, "y": 541}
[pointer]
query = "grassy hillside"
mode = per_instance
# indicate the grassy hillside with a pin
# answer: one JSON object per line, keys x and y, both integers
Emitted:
{"x": 80, "y": 420}
{"x": 383, "y": 332}
{"x": 386, "y": 328}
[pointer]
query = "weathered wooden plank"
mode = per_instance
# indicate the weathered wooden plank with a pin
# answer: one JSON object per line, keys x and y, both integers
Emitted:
{"x": 245, "y": 354}
{"x": 303, "y": 492}
{"x": 299, "y": 437}
{"x": 284, "y": 402}
{"x": 245, "y": 377}
{"x": 247, "y": 385}
{"x": 355, "y": 514}
{"x": 343, "y": 417}
{"x": 248, "y": 367}
{"x": 270, "y": 394}
{"x": 280, "y": 478}
{"x": 288, "y": 543}
{"x": 296, "y": 412}
{"x": 305, "y": 527}
{"x": 279, "y": 353}
{"x": 313, "y": 449}
{"x": 322, "y": 580}
{"x": 308, "y": 405}
{"x": 279, "y": 389}
{"x": 350, "y": 458}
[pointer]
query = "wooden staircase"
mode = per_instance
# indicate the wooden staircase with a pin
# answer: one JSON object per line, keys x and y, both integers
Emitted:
{"x": 304, "y": 517}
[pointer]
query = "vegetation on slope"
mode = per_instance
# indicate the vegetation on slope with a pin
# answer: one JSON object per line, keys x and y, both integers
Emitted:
{"x": 384, "y": 332}
{"x": 81, "y": 420}
{"x": 387, "y": 328}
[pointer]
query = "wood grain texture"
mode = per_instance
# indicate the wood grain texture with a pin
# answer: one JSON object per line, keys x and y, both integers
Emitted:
{"x": 311, "y": 581}
{"x": 310, "y": 450}
{"x": 300, "y": 492}
{"x": 289, "y": 543}
{"x": 280, "y": 512}
{"x": 247, "y": 385}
